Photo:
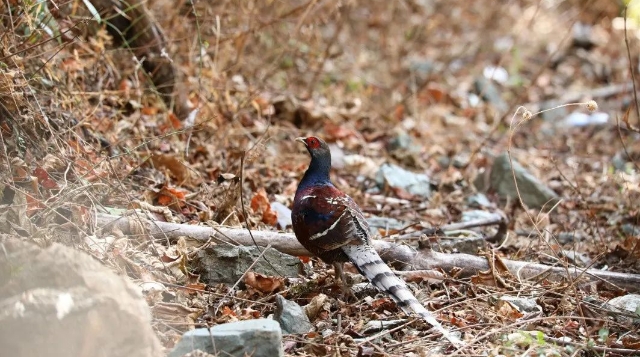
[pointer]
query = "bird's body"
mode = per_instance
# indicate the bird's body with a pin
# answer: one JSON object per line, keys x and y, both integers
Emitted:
{"x": 330, "y": 225}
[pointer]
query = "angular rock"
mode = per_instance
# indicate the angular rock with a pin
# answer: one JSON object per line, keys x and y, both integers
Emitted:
{"x": 533, "y": 192}
{"x": 292, "y": 317}
{"x": 61, "y": 302}
{"x": 629, "y": 302}
{"x": 396, "y": 177}
{"x": 227, "y": 264}
{"x": 256, "y": 338}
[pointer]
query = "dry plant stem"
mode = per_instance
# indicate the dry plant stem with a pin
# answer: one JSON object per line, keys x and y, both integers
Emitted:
{"x": 497, "y": 219}
{"x": 518, "y": 99}
{"x": 624, "y": 145}
{"x": 467, "y": 264}
{"x": 571, "y": 97}
{"x": 633, "y": 74}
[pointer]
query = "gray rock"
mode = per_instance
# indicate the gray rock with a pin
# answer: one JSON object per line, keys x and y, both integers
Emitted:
{"x": 61, "y": 302}
{"x": 570, "y": 237}
{"x": 630, "y": 229}
{"x": 384, "y": 223}
{"x": 468, "y": 245}
{"x": 488, "y": 90}
{"x": 284, "y": 214}
{"x": 479, "y": 200}
{"x": 534, "y": 193}
{"x": 629, "y": 302}
{"x": 583, "y": 36}
{"x": 379, "y": 325}
{"x": 256, "y": 338}
{"x": 476, "y": 214}
{"x": 292, "y": 317}
{"x": 577, "y": 258}
{"x": 402, "y": 141}
{"x": 522, "y": 304}
{"x": 391, "y": 175}
{"x": 226, "y": 264}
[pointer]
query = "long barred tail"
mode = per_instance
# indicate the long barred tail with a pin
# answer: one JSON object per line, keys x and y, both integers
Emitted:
{"x": 368, "y": 262}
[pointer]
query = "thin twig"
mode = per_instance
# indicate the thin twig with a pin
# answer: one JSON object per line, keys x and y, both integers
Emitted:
{"x": 633, "y": 75}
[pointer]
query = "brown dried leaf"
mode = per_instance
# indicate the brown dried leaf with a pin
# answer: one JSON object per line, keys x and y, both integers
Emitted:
{"x": 315, "y": 306}
{"x": 418, "y": 276}
{"x": 507, "y": 311}
{"x": 260, "y": 204}
{"x": 631, "y": 342}
{"x": 175, "y": 166}
{"x": 264, "y": 284}
{"x": 177, "y": 316}
{"x": 171, "y": 197}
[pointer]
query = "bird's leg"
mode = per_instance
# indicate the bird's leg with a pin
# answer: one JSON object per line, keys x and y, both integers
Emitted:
{"x": 347, "y": 293}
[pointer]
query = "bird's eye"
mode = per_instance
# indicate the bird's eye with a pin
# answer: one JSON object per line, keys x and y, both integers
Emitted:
{"x": 313, "y": 143}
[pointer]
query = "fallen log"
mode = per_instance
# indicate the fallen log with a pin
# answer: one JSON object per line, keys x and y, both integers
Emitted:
{"x": 464, "y": 265}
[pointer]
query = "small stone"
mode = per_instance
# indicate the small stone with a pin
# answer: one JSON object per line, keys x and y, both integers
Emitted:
{"x": 522, "y": 304}
{"x": 479, "y": 200}
{"x": 468, "y": 245}
{"x": 227, "y": 264}
{"x": 257, "y": 338}
{"x": 576, "y": 258}
{"x": 488, "y": 90}
{"x": 379, "y": 325}
{"x": 569, "y": 237}
{"x": 394, "y": 176}
{"x": 630, "y": 230}
{"x": 629, "y": 302}
{"x": 533, "y": 192}
{"x": 292, "y": 317}
{"x": 384, "y": 223}
{"x": 477, "y": 214}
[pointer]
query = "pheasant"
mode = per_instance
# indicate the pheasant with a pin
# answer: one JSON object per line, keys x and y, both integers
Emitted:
{"x": 330, "y": 225}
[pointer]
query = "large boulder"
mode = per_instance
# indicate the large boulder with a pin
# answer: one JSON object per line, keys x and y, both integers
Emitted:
{"x": 61, "y": 302}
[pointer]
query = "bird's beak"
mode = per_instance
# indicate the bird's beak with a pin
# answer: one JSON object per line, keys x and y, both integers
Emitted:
{"x": 302, "y": 140}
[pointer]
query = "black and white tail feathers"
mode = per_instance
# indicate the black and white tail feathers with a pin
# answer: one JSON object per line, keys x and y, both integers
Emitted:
{"x": 369, "y": 263}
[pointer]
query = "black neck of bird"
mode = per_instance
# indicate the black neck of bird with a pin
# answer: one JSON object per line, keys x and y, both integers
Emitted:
{"x": 318, "y": 171}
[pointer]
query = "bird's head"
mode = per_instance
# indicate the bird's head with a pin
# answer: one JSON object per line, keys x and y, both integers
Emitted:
{"x": 317, "y": 148}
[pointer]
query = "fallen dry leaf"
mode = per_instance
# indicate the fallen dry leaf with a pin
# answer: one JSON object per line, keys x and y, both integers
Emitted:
{"x": 175, "y": 166}
{"x": 264, "y": 284}
{"x": 260, "y": 204}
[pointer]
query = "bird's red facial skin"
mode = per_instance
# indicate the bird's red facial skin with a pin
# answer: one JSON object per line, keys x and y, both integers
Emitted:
{"x": 313, "y": 142}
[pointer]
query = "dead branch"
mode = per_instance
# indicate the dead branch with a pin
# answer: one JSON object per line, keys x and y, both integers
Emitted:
{"x": 497, "y": 218}
{"x": 465, "y": 265}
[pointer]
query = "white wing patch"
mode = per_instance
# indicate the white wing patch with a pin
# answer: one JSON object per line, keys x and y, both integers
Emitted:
{"x": 324, "y": 233}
